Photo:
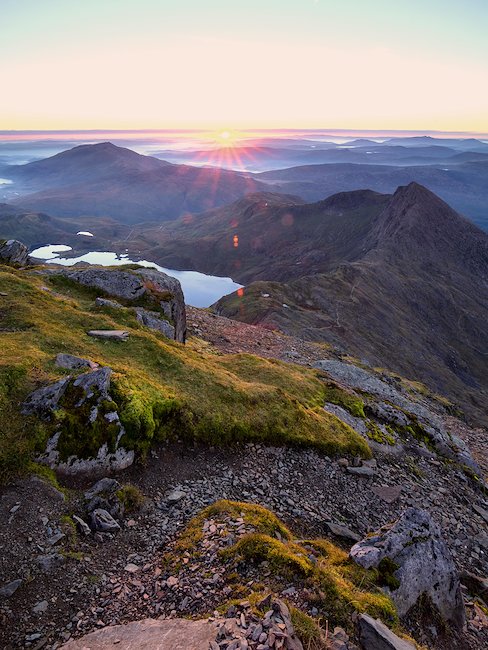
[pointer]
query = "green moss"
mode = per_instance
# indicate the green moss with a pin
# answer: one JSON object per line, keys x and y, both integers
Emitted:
{"x": 337, "y": 395}
{"x": 262, "y": 520}
{"x": 286, "y": 558}
{"x": 386, "y": 574}
{"x": 46, "y": 473}
{"x": 308, "y": 630}
{"x": 374, "y": 432}
{"x": 323, "y": 572}
{"x": 131, "y": 497}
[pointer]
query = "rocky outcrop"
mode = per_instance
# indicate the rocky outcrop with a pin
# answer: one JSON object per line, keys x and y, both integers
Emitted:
{"x": 414, "y": 561}
{"x": 154, "y": 321}
{"x": 13, "y": 252}
{"x": 170, "y": 295}
{"x": 388, "y": 404}
{"x": 155, "y": 287}
{"x": 83, "y": 404}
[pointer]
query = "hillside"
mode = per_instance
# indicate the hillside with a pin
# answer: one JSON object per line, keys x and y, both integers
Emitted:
{"x": 103, "y": 180}
{"x": 226, "y": 416}
{"x": 414, "y": 299}
{"x": 279, "y": 237}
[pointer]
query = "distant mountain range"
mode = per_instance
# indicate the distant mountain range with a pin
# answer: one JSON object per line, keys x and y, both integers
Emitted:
{"x": 104, "y": 180}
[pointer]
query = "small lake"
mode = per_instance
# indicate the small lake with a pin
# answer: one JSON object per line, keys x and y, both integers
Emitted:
{"x": 200, "y": 290}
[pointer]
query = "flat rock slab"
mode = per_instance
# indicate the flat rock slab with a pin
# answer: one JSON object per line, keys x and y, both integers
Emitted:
{"x": 388, "y": 494}
{"x": 374, "y": 635}
{"x": 365, "y": 472}
{"x": 149, "y": 634}
{"x": 114, "y": 335}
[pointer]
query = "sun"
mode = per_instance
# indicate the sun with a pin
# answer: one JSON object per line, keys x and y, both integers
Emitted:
{"x": 225, "y": 138}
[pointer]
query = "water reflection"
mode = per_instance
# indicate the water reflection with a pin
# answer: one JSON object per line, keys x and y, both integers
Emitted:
{"x": 200, "y": 290}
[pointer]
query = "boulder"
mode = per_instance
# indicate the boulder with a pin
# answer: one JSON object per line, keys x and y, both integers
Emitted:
{"x": 48, "y": 563}
{"x": 342, "y": 531}
{"x": 13, "y": 252}
{"x": 154, "y": 321}
{"x": 171, "y": 300}
{"x": 122, "y": 284}
{"x": 74, "y": 363}
{"x": 103, "y": 521}
{"x": 149, "y": 634}
{"x": 413, "y": 552}
{"x": 363, "y": 471}
{"x": 374, "y": 635}
{"x": 82, "y": 398}
{"x": 82, "y": 526}
{"x": 160, "y": 289}
{"x": 94, "y": 384}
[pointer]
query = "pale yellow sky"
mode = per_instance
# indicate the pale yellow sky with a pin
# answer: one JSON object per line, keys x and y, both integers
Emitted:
{"x": 135, "y": 75}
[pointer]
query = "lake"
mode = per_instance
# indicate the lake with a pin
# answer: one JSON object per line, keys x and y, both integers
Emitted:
{"x": 200, "y": 290}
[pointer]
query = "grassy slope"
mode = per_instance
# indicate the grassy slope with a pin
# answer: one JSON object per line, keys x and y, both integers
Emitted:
{"x": 334, "y": 584}
{"x": 162, "y": 388}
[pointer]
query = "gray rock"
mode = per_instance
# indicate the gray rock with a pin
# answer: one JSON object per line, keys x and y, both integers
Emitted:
{"x": 357, "y": 424}
{"x": 41, "y": 607}
{"x": 82, "y": 525}
{"x": 122, "y": 284}
{"x": 342, "y": 531}
{"x": 475, "y": 585}
{"x": 388, "y": 494}
{"x": 13, "y": 252}
{"x": 10, "y": 588}
{"x": 374, "y": 635}
{"x": 74, "y": 363}
{"x": 55, "y": 539}
{"x": 173, "y": 634}
{"x": 172, "y": 301}
{"x": 175, "y": 496}
{"x": 481, "y": 512}
{"x": 388, "y": 413}
{"x": 95, "y": 383}
{"x": 45, "y": 400}
{"x": 153, "y": 320}
{"x": 425, "y": 565}
{"x": 103, "y": 486}
{"x": 109, "y": 335}
{"x": 363, "y": 471}
{"x": 48, "y": 563}
{"x": 104, "y": 302}
{"x": 103, "y": 521}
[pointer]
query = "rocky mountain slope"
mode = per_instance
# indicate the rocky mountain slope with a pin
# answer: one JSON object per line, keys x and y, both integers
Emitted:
{"x": 411, "y": 294}
{"x": 218, "y": 440}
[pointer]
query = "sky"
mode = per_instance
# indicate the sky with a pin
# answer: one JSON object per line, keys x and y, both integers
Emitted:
{"x": 226, "y": 64}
